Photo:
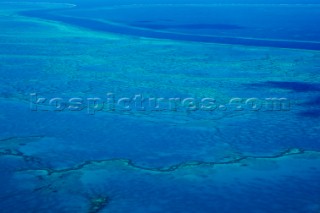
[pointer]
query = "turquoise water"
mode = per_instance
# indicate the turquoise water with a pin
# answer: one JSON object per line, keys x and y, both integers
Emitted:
{"x": 241, "y": 136}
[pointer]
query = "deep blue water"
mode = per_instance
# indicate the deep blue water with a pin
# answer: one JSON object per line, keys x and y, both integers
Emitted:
{"x": 255, "y": 148}
{"x": 274, "y": 25}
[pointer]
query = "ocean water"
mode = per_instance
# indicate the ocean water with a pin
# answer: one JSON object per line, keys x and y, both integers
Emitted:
{"x": 160, "y": 106}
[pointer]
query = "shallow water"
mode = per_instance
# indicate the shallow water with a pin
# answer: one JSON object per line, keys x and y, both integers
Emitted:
{"x": 230, "y": 159}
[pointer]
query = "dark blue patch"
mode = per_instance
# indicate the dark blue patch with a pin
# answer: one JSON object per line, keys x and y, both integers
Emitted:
{"x": 311, "y": 113}
{"x": 293, "y": 86}
{"x": 313, "y": 108}
{"x": 314, "y": 102}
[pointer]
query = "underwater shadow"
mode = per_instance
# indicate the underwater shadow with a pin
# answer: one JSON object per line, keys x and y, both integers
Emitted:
{"x": 315, "y": 111}
{"x": 312, "y": 106}
{"x": 310, "y": 113}
{"x": 288, "y": 85}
